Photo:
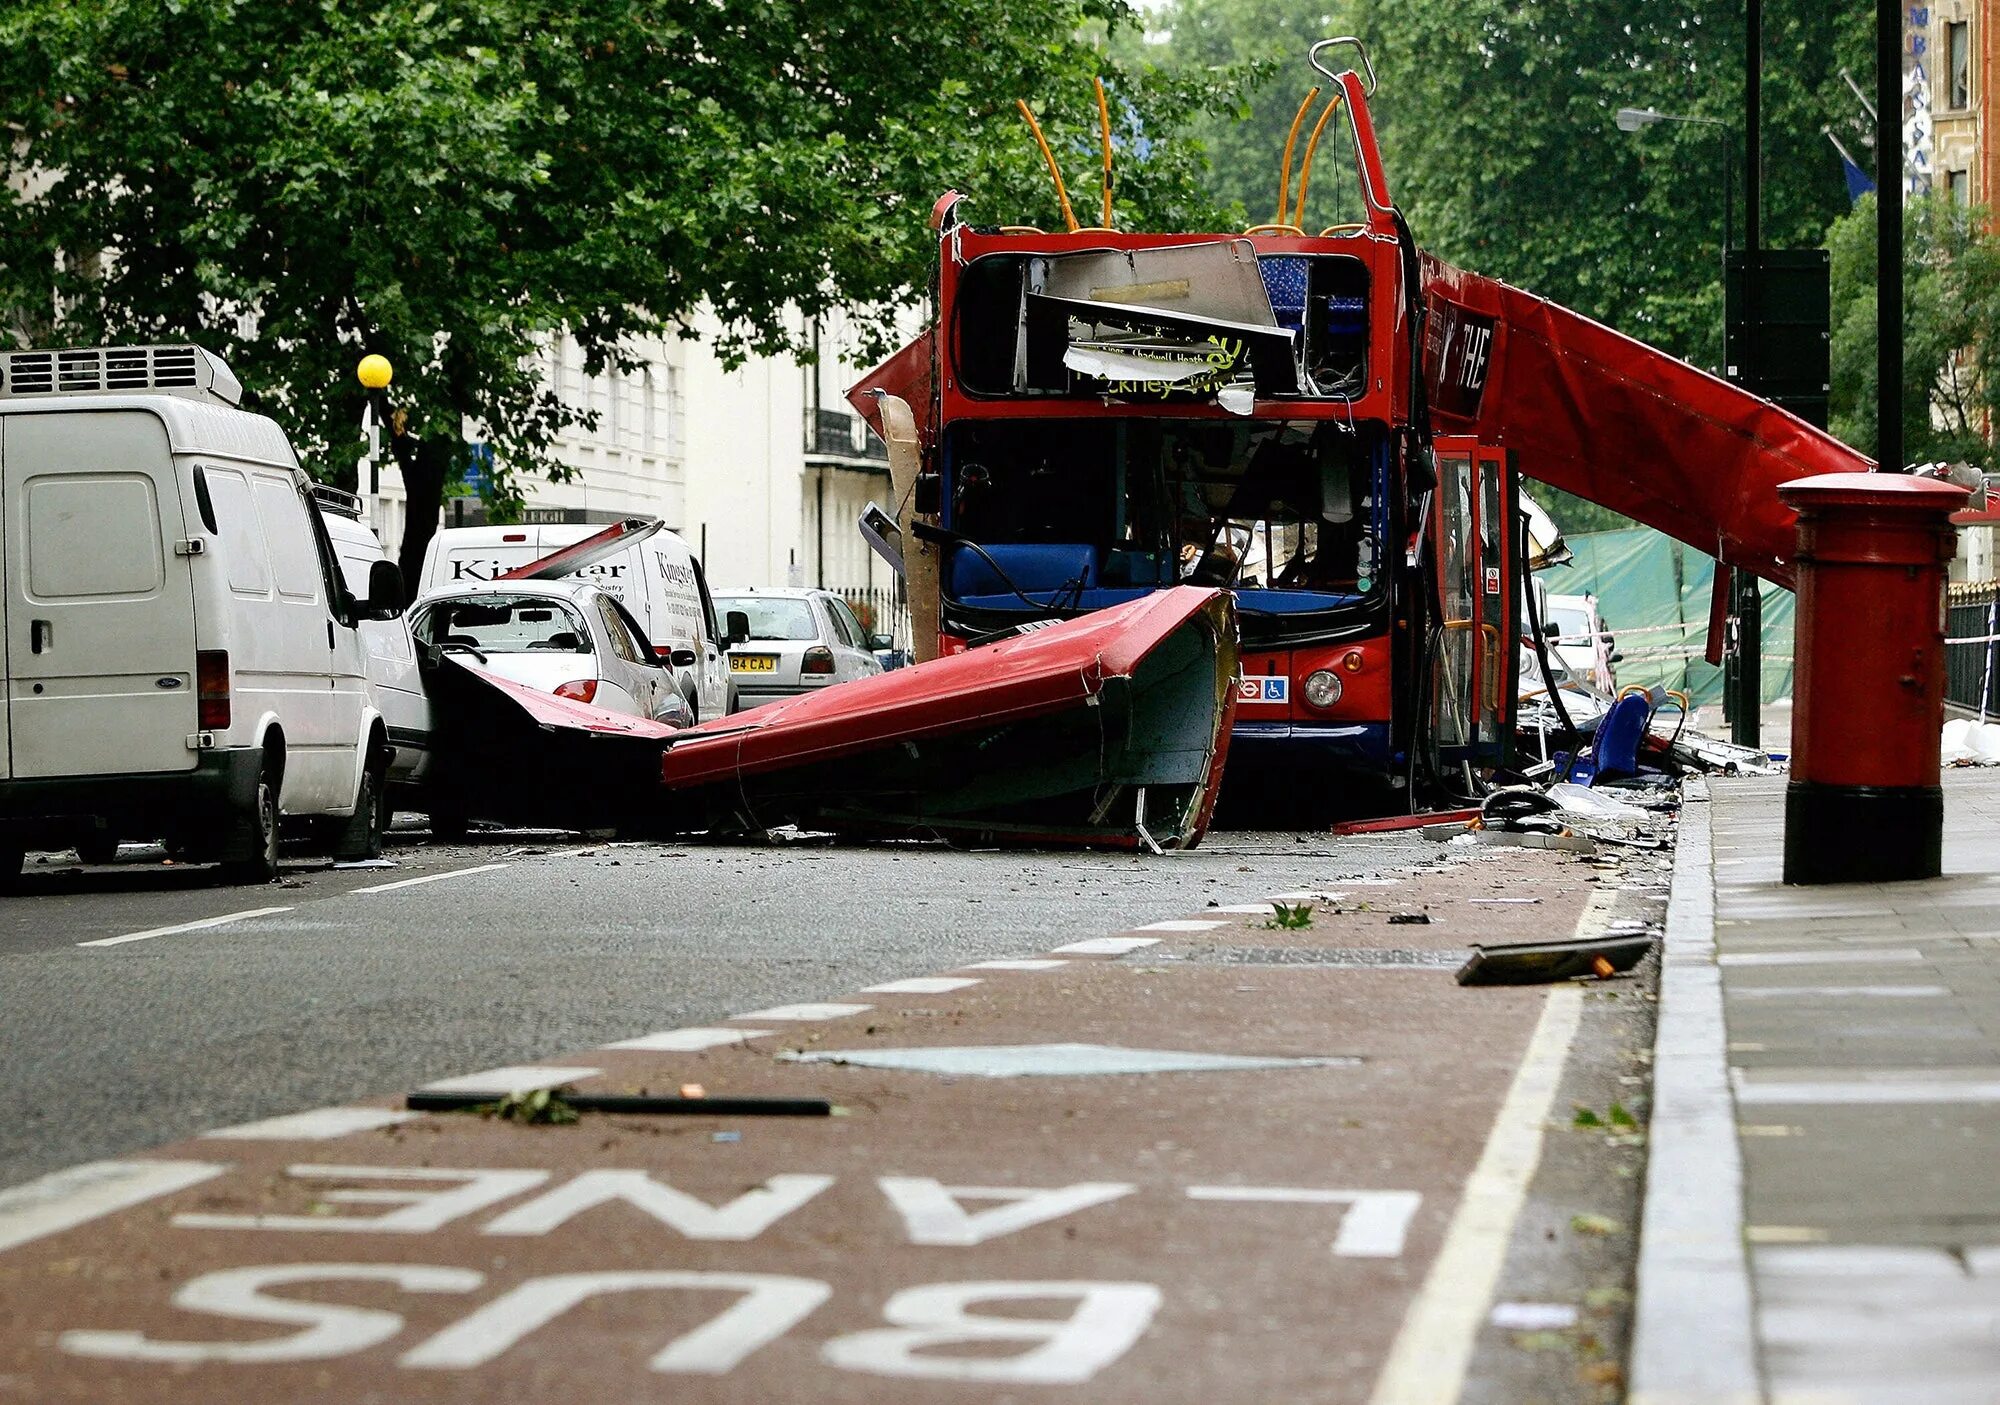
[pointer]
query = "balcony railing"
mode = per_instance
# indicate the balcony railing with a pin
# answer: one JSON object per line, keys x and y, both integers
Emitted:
{"x": 840, "y": 434}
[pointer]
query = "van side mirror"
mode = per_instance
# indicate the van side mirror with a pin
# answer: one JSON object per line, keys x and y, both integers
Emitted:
{"x": 1552, "y": 630}
{"x": 739, "y": 628}
{"x": 681, "y": 658}
{"x": 386, "y": 595}
{"x": 881, "y": 641}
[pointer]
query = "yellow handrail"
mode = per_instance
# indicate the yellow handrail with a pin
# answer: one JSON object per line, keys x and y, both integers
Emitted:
{"x": 1055, "y": 172}
{"x": 1306, "y": 166}
{"x": 1104, "y": 125}
{"x": 1285, "y": 175}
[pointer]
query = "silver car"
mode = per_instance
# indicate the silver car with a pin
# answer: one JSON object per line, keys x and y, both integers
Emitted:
{"x": 560, "y": 637}
{"x": 792, "y": 642}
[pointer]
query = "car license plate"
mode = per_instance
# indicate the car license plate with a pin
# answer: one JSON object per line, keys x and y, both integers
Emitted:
{"x": 753, "y": 663}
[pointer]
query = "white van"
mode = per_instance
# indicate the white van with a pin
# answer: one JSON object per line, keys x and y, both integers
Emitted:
{"x": 656, "y": 578}
{"x": 395, "y": 683}
{"x": 182, "y": 658}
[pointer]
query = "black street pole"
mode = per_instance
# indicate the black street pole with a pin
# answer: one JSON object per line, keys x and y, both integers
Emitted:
{"x": 1889, "y": 235}
{"x": 1744, "y": 728}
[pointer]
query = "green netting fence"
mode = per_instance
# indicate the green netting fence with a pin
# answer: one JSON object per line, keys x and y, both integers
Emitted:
{"x": 1653, "y": 593}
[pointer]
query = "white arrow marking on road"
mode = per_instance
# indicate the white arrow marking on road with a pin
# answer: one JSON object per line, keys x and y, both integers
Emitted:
{"x": 202, "y": 925}
{"x": 430, "y": 878}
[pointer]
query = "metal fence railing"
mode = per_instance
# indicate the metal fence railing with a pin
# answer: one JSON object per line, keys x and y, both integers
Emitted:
{"x": 1972, "y": 648}
{"x": 882, "y": 610}
{"x": 843, "y": 435}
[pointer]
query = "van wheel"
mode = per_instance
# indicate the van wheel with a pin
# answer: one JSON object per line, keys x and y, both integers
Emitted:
{"x": 12, "y": 856}
{"x": 448, "y": 826}
{"x": 252, "y": 853}
{"x": 97, "y": 848}
{"x": 360, "y": 836}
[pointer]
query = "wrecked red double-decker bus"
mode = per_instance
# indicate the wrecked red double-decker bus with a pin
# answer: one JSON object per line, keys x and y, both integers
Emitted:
{"x": 1103, "y": 414}
{"x": 1331, "y": 425}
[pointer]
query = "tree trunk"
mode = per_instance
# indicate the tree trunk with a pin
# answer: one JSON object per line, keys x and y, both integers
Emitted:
{"x": 426, "y": 465}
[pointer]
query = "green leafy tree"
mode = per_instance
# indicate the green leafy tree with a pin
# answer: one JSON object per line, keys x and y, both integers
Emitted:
{"x": 1951, "y": 331}
{"x": 453, "y": 183}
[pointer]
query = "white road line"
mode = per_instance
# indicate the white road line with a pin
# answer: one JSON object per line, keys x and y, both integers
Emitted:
{"x": 688, "y": 1041}
{"x": 521, "y": 1078}
{"x": 1251, "y": 909}
{"x": 1181, "y": 926}
{"x": 1036, "y": 964}
{"x": 319, "y": 1125}
{"x": 429, "y": 878}
{"x": 65, "y": 1199}
{"x": 1891, "y": 956}
{"x": 921, "y": 985}
{"x": 1108, "y": 946}
{"x": 1839, "y": 992}
{"x": 202, "y": 925}
{"x": 824, "y": 1010}
{"x": 1428, "y": 1361}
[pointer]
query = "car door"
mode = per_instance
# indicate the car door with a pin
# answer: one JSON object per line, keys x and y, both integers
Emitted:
{"x": 99, "y": 597}
{"x": 855, "y": 658}
{"x": 716, "y": 696}
{"x": 623, "y": 660}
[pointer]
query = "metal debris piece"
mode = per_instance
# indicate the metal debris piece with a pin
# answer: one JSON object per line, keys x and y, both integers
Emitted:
{"x": 1539, "y": 963}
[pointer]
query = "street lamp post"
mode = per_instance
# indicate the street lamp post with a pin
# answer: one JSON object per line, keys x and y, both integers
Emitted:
{"x": 1742, "y": 677}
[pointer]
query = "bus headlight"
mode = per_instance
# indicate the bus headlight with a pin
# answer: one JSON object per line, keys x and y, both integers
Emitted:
{"x": 1322, "y": 688}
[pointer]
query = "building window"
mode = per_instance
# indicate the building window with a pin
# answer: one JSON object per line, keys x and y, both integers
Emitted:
{"x": 628, "y": 413}
{"x": 1958, "y": 62}
{"x": 1958, "y": 184}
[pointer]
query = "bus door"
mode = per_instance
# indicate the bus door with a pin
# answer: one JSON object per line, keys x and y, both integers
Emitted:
{"x": 1475, "y": 540}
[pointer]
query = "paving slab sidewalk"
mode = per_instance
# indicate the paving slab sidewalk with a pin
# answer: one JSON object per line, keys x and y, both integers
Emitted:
{"x": 1857, "y": 1262}
{"x": 1243, "y": 1234}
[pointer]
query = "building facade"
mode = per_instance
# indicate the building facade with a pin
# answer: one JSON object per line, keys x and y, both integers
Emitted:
{"x": 763, "y": 468}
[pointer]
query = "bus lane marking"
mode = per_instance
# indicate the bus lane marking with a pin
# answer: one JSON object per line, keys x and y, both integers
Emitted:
{"x": 512, "y": 1080}
{"x": 689, "y": 1041}
{"x": 824, "y": 1010}
{"x": 921, "y": 985}
{"x": 65, "y": 1199}
{"x": 1374, "y": 1226}
{"x": 319, "y": 1125}
{"x": 201, "y": 925}
{"x": 1108, "y": 946}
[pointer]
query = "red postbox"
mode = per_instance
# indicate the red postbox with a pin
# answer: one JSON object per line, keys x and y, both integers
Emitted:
{"x": 1864, "y": 804}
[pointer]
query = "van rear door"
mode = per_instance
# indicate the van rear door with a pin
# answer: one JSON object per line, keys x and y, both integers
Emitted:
{"x": 100, "y": 608}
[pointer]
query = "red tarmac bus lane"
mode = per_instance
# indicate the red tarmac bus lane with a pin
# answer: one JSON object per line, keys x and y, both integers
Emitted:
{"x": 1243, "y": 1234}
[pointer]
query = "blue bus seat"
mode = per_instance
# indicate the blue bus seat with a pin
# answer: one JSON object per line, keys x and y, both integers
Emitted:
{"x": 1614, "y": 753}
{"x": 1030, "y": 567}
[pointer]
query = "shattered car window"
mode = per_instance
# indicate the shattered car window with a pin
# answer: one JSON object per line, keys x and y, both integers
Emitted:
{"x": 772, "y": 617}
{"x": 506, "y": 625}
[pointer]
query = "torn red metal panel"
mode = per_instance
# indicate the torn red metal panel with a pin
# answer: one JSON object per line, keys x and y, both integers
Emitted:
{"x": 1619, "y": 423}
{"x": 504, "y": 751}
{"x": 906, "y": 375}
{"x": 618, "y": 537}
{"x": 1103, "y": 731}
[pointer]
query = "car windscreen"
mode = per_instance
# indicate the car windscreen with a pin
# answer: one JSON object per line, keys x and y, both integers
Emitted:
{"x": 771, "y": 617}
{"x": 1573, "y": 625}
{"x": 515, "y": 624}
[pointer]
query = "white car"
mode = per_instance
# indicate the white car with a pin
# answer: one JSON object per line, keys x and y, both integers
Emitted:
{"x": 793, "y": 641}
{"x": 561, "y": 637}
